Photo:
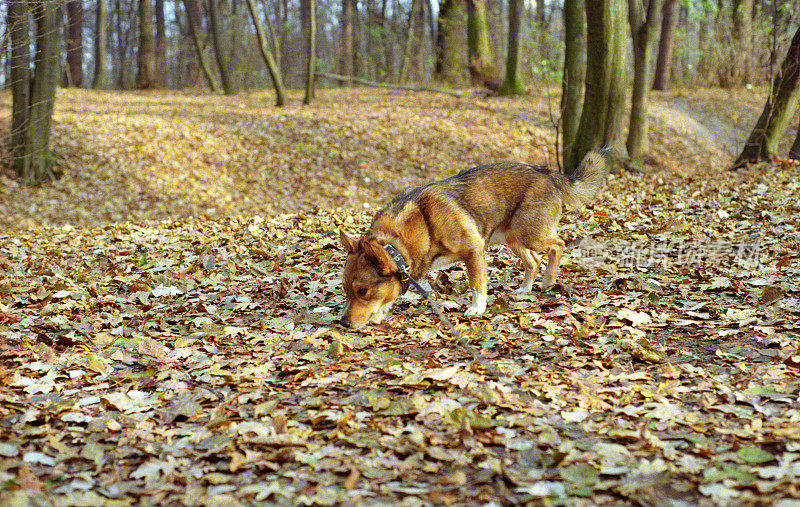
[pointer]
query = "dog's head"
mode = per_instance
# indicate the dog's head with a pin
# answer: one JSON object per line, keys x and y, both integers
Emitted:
{"x": 371, "y": 281}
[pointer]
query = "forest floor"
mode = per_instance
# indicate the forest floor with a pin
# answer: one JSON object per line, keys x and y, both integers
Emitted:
{"x": 167, "y": 313}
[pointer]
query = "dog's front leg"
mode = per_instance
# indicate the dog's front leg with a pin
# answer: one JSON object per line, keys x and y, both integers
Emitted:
{"x": 476, "y": 272}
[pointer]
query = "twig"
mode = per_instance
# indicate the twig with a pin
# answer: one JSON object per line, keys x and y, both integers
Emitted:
{"x": 339, "y": 77}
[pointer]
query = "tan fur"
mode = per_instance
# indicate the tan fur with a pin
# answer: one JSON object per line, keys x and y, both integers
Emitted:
{"x": 455, "y": 220}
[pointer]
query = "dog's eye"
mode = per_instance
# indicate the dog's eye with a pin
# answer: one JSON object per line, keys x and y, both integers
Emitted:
{"x": 362, "y": 291}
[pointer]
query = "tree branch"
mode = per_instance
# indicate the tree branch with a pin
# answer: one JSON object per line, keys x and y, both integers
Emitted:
{"x": 364, "y": 82}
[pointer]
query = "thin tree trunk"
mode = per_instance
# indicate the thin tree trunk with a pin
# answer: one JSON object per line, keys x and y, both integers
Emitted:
{"x": 448, "y": 55}
{"x": 32, "y": 158}
{"x": 643, "y": 29}
{"x": 121, "y": 49}
{"x": 778, "y": 110}
{"x": 669, "y": 22}
{"x": 312, "y": 51}
{"x": 147, "y": 46}
{"x": 574, "y": 73}
{"x": 513, "y": 83}
{"x": 18, "y": 21}
{"x": 405, "y": 62}
{"x": 273, "y": 36}
{"x": 100, "y": 81}
{"x": 272, "y": 67}
{"x": 742, "y": 38}
{"x": 216, "y": 35}
{"x": 479, "y": 55}
{"x": 347, "y": 49}
{"x": 74, "y": 44}
{"x": 160, "y": 54}
{"x": 794, "y": 151}
{"x": 193, "y": 15}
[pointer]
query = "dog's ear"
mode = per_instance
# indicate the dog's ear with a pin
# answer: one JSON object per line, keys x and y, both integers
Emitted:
{"x": 348, "y": 244}
{"x": 376, "y": 252}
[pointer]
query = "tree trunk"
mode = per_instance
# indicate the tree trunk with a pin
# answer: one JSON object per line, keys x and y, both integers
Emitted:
{"x": 413, "y": 17}
{"x": 742, "y": 38}
{"x": 778, "y": 110}
{"x": 273, "y": 37}
{"x": 74, "y": 45}
{"x": 193, "y": 15}
{"x": 669, "y": 21}
{"x": 602, "y": 117}
{"x": 120, "y": 63}
{"x": 347, "y": 48}
{"x": 147, "y": 46}
{"x": 513, "y": 83}
{"x": 794, "y": 151}
{"x": 643, "y": 29}
{"x": 448, "y": 54}
{"x": 100, "y": 81}
{"x": 160, "y": 45}
{"x": 574, "y": 73}
{"x": 216, "y": 35}
{"x": 312, "y": 51}
{"x": 32, "y": 110}
{"x": 18, "y": 21}
{"x": 479, "y": 55}
{"x": 272, "y": 67}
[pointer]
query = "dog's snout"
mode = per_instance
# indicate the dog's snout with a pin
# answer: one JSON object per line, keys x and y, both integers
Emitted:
{"x": 344, "y": 321}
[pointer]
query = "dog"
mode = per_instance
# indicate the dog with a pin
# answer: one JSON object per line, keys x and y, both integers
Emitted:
{"x": 456, "y": 219}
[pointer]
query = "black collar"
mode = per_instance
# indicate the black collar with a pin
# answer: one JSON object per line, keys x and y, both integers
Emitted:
{"x": 402, "y": 266}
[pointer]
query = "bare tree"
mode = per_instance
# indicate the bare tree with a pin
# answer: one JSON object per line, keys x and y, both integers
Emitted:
{"x": 193, "y": 16}
{"x": 603, "y": 112}
{"x": 411, "y": 31}
{"x": 448, "y": 41}
{"x": 644, "y": 25}
{"x": 794, "y": 151}
{"x": 160, "y": 52}
{"x": 312, "y": 50}
{"x": 778, "y": 111}
{"x": 272, "y": 67}
{"x": 223, "y": 64}
{"x": 479, "y": 54}
{"x": 666, "y": 43}
{"x": 513, "y": 83}
{"x": 574, "y": 73}
{"x": 100, "y": 80}
{"x": 147, "y": 46}
{"x": 73, "y": 71}
{"x": 347, "y": 45}
{"x": 33, "y": 93}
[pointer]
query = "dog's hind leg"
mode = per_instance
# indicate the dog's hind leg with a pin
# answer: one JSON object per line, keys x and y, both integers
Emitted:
{"x": 531, "y": 262}
{"x": 554, "y": 248}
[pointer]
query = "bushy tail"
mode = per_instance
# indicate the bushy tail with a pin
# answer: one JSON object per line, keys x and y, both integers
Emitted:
{"x": 581, "y": 186}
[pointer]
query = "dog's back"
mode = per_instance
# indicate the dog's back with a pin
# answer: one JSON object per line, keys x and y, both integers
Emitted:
{"x": 491, "y": 192}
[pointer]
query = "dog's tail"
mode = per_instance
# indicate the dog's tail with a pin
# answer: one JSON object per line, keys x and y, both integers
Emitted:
{"x": 582, "y": 185}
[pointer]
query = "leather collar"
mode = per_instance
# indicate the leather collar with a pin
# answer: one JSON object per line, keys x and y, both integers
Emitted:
{"x": 402, "y": 266}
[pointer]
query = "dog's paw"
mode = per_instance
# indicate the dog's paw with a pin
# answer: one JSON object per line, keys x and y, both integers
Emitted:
{"x": 525, "y": 289}
{"x": 474, "y": 310}
{"x": 478, "y": 305}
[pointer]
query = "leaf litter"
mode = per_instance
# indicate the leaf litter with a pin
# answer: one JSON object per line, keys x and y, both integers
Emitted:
{"x": 155, "y": 351}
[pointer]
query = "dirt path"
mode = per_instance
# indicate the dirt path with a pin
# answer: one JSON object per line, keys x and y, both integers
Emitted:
{"x": 709, "y": 130}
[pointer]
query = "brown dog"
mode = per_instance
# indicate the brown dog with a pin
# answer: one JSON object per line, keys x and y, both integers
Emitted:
{"x": 456, "y": 219}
